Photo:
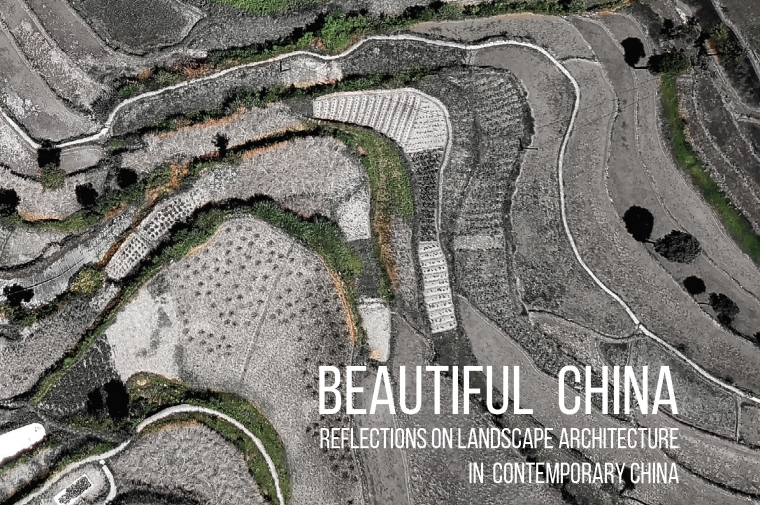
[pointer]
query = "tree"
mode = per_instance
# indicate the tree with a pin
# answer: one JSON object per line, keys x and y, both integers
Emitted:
{"x": 639, "y": 222}
{"x": 221, "y": 142}
{"x": 678, "y": 246}
{"x": 9, "y": 201}
{"x": 87, "y": 196}
{"x": 694, "y": 285}
{"x": 724, "y": 307}
{"x": 727, "y": 45}
{"x": 126, "y": 178}
{"x": 633, "y": 50}
{"x": 671, "y": 63}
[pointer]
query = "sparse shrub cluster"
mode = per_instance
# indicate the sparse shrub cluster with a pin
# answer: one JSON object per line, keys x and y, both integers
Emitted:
{"x": 88, "y": 281}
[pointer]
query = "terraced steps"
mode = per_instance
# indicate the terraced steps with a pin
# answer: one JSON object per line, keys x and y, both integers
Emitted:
{"x": 436, "y": 287}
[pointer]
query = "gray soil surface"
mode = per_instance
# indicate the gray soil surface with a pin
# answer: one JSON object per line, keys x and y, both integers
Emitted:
{"x": 552, "y": 33}
{"x": 27, "y": 97}
{"x": 45, "y": 342}
{"x": 190, "y": 460}
{"x": 255, "y": 313}
{"x": 538, "y": 391}
{"x": 153, "y": 23}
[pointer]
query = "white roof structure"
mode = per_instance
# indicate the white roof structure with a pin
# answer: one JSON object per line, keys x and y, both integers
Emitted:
{"x": 13, "y": 443}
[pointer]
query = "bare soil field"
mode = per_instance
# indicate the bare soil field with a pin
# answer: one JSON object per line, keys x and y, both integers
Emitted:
{"x": 280, "y": 317}
{"x": 549, "y": 277}
{"x": 29, "y": 99}
{"x": 59, "y": 71}
{"x": 538, "y": 391}
{"x": 186, "y": 459}
{"x": 690, "y": 211}
{"x": 195, "y": 141}
{"x": 22, "y": 245}
{"x": 51, "y": 278}
{"x": 439, "y": 475}
{"x": 15, "y": 153}
{"x": 72, "y": 34}
{"x": 623, "y": 264}
{"x": 552, "y": 33}
{"x": 38, "y": 204}
{"x": 161, "y": 22}
{"x": 629, "y": 169}
{"x": 311, "y": 176}
{"x": 41, "y": 345}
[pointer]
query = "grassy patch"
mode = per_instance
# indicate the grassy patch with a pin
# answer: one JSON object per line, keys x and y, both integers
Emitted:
{"x": 264, "y": 7}
{"x": 739, "y": 228}
{"x": 52, "y": 177}
{"x": 87, "y": 281}
{"x": 391, "y": 191}
{"x": 149, "y": 394}
{"x": 320, "y": 235}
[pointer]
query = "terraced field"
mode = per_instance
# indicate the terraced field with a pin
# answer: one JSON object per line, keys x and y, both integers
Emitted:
{"x": 248, "y": 239}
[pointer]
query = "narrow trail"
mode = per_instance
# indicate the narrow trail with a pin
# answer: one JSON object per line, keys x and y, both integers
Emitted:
{"x": 560, "y": 163}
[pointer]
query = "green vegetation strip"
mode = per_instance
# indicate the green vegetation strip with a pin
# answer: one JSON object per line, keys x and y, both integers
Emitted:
{"x": 390, "y": 188}
{"x": 263, "y": 7}
{"x": 149, "y": 394}
{"x": 737, "y": 225}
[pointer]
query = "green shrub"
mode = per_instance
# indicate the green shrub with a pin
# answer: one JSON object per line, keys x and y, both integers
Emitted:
{"x": 129, "y": 90}
{"x": 671, "y": 63}
{"x": 52, "y": 177}
{"x": 726, "y": 44}
{"x": 87, "y": 281}
{"x": 340, "y": 28}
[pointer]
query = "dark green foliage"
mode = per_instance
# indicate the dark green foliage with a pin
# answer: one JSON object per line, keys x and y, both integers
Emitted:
{"x": 221, "y": 142}
{"x": 48, "y": 155}
{"x": 639, "y": 222}
{"x": 694, "y": 285}
{"x": 670, "y": 63}
{"x": 52, "y": 177}
{"x": 728, "y": 47}
{"x": 724, "y": 307}
{"x": 117, "y": 400}
{"x": 9, "y": 201}
{"x": 679, "y": 247}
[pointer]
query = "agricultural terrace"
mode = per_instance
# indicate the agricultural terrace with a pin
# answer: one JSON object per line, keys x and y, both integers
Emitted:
{"x": 280, "y": 316}
{"x": 509, "y": 235}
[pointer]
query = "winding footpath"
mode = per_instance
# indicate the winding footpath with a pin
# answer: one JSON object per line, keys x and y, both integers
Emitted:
{"x": 103, "y": 134}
